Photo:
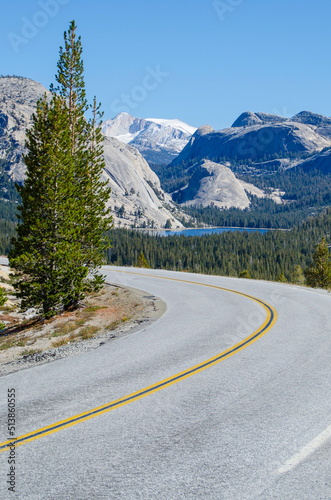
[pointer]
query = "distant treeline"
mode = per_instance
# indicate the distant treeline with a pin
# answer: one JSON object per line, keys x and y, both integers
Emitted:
{"x": 264, "y": 256}
{"x": 7, "y": 231}
{"x": 9, "y": 199}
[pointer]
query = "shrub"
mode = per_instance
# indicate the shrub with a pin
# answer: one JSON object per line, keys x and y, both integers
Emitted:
{"x": 3, "y": 296}
{"x": 245, "y": 274}
{"x": 282, "y": 278}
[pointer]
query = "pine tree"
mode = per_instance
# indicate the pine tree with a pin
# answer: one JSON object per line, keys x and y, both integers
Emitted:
{"x": 87, "y": 155}
{"x": 63, "y": 216}
{"x": 47, "y": 196}
{"x": 3, "y": 296}
{"x": 297, "y": 276}
{"x": 142, "y": 261}
{"x": 319, "y": 273}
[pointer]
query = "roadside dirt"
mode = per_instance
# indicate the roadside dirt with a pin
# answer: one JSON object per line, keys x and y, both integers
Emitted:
{"x": 103, "y": 317}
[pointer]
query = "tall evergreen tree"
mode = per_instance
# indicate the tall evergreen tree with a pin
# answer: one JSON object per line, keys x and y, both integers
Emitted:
{"x": 43, "y": 235}
{"x": 3, "y": 296}
{"x": 63, "y": 215}
{"x": 87, "y": 153}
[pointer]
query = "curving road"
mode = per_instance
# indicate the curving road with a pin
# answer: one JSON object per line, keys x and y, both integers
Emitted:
{"x": 145, "y": 417}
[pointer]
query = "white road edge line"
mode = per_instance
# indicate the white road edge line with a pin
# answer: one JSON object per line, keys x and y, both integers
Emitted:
{"x": 307, "y": 450}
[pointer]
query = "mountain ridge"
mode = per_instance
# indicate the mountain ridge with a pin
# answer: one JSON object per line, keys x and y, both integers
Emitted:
{"x": 257, "y": 136}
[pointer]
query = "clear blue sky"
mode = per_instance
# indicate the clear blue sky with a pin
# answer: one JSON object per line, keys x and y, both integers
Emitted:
{"x": 213, "y": 59}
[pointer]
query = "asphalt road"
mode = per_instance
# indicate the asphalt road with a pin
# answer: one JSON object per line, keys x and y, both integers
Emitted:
{"x": 254, "y": 424}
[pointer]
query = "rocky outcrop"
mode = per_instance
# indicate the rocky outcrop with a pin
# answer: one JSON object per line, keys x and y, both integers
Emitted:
{"x": 136, "y": 198}
{"x": 213, "y": 184}
{"x": 321, "y": 124}
{"x": 248, "y": 119}
{"x": 18, "y": 97}
{"x": 159, "y": 141}
{"x": 314, "y": 119}
{"x": 320, "y": 162}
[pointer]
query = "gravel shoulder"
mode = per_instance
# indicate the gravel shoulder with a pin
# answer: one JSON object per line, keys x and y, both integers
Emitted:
{"x": 114, "y": 312}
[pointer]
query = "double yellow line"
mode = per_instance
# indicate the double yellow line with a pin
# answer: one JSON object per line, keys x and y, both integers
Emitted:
{"x": 50, "y": 429}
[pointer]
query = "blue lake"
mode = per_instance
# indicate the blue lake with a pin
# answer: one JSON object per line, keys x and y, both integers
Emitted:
{"x": 200, "y": 232}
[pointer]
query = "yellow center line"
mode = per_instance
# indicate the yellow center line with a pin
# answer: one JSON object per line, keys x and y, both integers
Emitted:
{"x": 82, "y": 417}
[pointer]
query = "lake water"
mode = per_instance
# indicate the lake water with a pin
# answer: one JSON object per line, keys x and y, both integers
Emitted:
{"x": 200, "y": 232}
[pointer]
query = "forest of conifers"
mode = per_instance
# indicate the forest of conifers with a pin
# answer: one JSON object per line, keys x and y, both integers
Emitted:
{"x": 264, "y": 256}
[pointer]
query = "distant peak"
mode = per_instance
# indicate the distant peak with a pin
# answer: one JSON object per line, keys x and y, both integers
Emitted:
{"x": 248, "y": 119}
{"x": 16, "y": 77}
{"x": 204, "y": 130}
{"x": 309, "y": 118}
{"x": 123, "y": 113}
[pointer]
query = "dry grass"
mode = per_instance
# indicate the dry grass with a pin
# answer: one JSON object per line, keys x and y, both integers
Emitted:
{"x": 59, "y": 342}
{"x": 73, "y": 337}
{"x": 84, "y": 334}
{"x": 6, "y": 344}
{"x": 22, "y": 342}
{"x": 67, "y": 328}
{"x": 113, "y": 325}
{"x": 88, "y": 331}
{"x": 93, "y": 308}
{"x": 86, "y": 314}
{"x": 70, "y": 328}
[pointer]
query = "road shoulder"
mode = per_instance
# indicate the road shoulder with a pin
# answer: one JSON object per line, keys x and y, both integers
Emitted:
{"x": 117, "y": 311}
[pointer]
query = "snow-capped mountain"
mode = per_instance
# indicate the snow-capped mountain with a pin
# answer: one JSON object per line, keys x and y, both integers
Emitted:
{"x": 158, "y": 140}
